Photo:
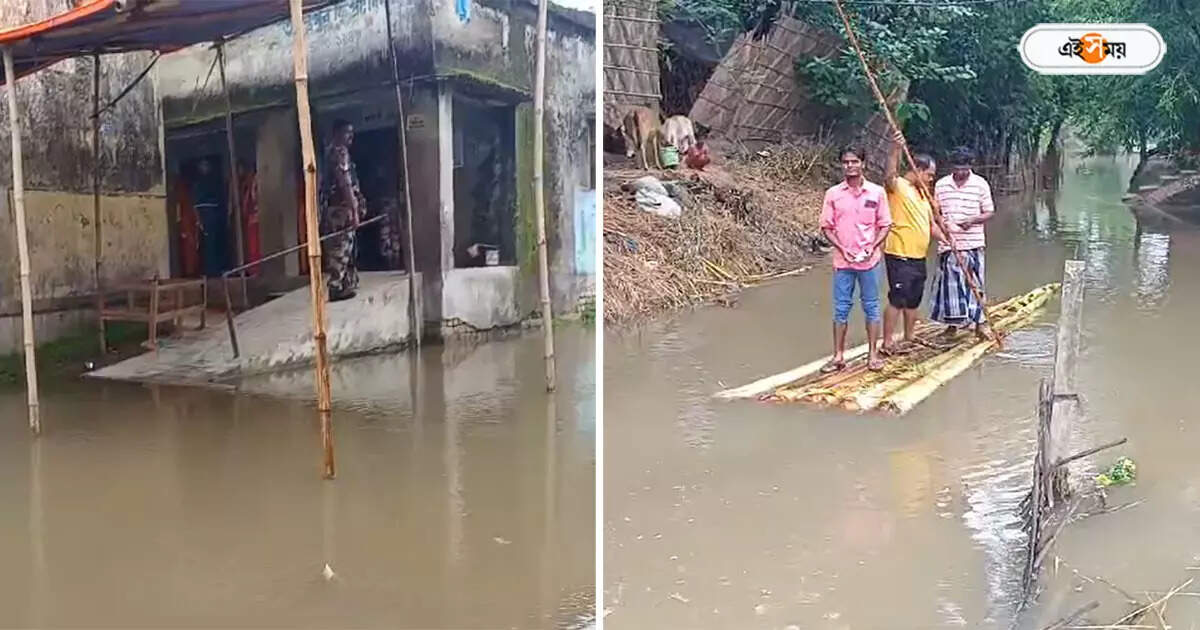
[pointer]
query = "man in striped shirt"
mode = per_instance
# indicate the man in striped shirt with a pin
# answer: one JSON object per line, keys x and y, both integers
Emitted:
{"x": 966, "y": 203}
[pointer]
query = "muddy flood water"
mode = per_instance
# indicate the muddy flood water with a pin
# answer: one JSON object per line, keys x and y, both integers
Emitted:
{"x": 464, "y": 498}
{"x": 752, "y": 515}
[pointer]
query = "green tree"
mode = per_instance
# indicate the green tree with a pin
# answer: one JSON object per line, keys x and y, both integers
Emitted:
{"x": 968, "y": 85}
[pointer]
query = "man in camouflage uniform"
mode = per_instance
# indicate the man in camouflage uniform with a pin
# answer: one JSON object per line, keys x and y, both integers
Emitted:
{"x": 342, "y": 207}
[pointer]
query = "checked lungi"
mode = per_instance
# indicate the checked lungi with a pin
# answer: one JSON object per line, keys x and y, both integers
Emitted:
{"x": 954, "y": 303}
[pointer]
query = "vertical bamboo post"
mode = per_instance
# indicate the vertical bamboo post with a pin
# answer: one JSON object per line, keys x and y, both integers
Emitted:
{"x": 234, "y": 188}
{"x": 97, "y": 245}
{"x": 539, "y": 192}
{"x": 31, "y": 381}
{"x": 1066, "y": 355}
{"x": 414, "y": 319}
{"x": 316, "y": 282}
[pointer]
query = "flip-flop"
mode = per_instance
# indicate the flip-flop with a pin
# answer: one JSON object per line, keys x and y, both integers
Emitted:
{"x": 877, "y": 365}
{"x": 833, "y": 366}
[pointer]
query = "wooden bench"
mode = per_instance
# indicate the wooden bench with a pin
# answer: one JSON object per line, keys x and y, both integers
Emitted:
{"x": 154, "y": 302}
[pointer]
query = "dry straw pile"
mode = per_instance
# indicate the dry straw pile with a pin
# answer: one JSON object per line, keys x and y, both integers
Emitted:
{"x": 751, "y": 219}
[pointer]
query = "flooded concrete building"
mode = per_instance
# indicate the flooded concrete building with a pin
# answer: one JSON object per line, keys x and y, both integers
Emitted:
{"x": 56, "y": 126}
{"x": 466, "y": 69}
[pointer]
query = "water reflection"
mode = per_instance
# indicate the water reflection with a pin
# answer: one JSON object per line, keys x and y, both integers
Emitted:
{"x": 818, "y": 507}
{"x": 142, "y": 506}
{"x": 1152, "y": 260}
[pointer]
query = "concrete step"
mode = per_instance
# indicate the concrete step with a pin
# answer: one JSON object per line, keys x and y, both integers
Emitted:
{"x": 278, "y": 335}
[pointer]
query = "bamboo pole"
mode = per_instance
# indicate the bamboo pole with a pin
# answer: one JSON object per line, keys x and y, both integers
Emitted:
{"x": 234, "y": 185}
{"x": 98, "y": 244}
{"x": 539, "y": 193}
{"x": 31, "y": 380}
{"x": 414, "y": 319}
{"x": 316, "y": 282}
{"x": 937, "y": 212}
{"x": 1066, "y": 355}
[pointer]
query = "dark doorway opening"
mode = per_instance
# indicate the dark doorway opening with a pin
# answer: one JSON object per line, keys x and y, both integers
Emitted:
{"x": 381, "y": 244}
{"x": 485, "y": 183}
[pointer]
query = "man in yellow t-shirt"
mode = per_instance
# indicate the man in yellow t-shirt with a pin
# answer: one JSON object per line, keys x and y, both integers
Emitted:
{"x": 906, "y": 245}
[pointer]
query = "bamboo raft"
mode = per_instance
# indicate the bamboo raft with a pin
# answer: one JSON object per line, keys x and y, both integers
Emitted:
{"x": 905, "y": 380}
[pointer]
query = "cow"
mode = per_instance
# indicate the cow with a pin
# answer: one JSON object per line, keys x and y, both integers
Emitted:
{"x": 641, "y": 131}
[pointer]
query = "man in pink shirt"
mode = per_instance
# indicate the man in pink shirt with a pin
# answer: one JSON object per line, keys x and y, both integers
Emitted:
{"x": 855, "y": 219}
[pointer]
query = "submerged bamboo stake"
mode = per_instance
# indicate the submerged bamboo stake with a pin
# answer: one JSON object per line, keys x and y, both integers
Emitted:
{"x": 31, "y": 381}
{"x": 316, "y": 282}
{"x": 97, "y": 245}
{"x": 539, "y": 193}
{"x": 1066, "y": 354}
{"x": 415, "y": 320}
{"x": 937, "y": 213}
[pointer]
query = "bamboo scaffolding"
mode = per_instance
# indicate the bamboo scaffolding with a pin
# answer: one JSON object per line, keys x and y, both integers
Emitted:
{"x": 316, "y": 281}
{"x": 539, "y": 192}
{"x": 31, "y": 379}
{"x": 415, "y": 320}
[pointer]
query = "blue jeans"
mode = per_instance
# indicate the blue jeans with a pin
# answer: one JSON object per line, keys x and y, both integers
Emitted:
{"x": 843, "y": 293}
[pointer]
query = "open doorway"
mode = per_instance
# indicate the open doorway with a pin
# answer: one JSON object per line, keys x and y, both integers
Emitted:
{"x": 206, "y": 233}
{"x": 485, "y": 179}
{"x": 381, "y": 244}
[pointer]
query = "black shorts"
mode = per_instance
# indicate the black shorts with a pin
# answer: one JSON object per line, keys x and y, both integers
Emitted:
{"x": 906, "y": 281}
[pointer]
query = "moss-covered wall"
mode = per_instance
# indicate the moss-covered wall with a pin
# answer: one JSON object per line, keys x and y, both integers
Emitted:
{"x": 490, "y": 53}
{"x": 347, "y": 51}
{"x": 495, "y": 41}
{"x": 54, "y": 108}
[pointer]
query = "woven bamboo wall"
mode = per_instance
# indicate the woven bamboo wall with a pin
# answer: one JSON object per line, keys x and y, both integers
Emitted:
{"x": 754, "y": 96}
{"x": 631, "y": 74}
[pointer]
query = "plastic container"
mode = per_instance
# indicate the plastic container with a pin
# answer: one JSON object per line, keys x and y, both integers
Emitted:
{"x": 669, "y": 156}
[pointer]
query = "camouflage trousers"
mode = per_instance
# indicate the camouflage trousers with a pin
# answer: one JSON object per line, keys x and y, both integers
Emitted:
{"x": 338, "y": 254}
{"x": 390, "y": 232}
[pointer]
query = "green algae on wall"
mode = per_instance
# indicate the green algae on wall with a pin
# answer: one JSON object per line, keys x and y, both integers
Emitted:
{"x": 525, "y": 219}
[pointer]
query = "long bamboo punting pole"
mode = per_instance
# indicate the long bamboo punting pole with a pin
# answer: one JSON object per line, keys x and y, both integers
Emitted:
{"x": 97, "y": 245}
{"x": 31, "y": 380}
{"x": 315, "y": 280}
{"x": 937, "y": 212}
{"x": 539, "y": 193}
{"x": 414, "y": 319}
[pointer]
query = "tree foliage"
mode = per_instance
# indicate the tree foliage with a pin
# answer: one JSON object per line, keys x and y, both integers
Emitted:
{"x": 967, "y": 83}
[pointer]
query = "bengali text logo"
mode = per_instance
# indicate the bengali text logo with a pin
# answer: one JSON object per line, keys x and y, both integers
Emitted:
{"x": 1092, "y": 48}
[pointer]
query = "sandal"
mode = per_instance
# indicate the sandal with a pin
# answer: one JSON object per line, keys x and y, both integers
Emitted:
{"x": 876, "y": 364}
{"x": 900, "y": 349}
{"x": 833, "y": 366}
